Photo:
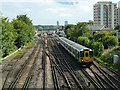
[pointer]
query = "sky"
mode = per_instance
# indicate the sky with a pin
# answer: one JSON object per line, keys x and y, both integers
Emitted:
{"x": 48, "y": 12}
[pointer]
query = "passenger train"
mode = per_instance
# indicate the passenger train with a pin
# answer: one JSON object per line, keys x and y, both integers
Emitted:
{"x": 83, "y": 54}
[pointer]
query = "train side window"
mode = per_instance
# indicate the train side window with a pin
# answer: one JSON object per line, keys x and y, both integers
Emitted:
{"x": 91, "y": 53}
{"x": 77, "y": 54}
{"x": 82, "y": 54}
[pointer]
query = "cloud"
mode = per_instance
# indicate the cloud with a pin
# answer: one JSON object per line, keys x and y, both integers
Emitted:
{"x": 27, "y": 10}
{"x": 57, "y": 9}
{"x": 52, "y": 10}
{"x": 41, "y": 1}
{"x": 65, "y": 15}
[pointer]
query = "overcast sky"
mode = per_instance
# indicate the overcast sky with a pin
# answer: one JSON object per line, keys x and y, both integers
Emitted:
{"x": 50, "y": 11}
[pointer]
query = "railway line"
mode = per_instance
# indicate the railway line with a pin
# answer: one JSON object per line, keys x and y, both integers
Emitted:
{"x": 12, "y": 68}
{"x": 67, "y": 69}
{"x": 49, "y": 65}
{"x": 16, "y": 82}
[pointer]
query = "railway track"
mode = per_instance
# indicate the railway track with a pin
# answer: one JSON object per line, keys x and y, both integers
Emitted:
{"x": 64, "y": 73}
{"x": 100, "y": 79}
{"x": 59, "y": 69}
{"x": 31, "y": 74}
{"x": 73, "y": 81}
{"x": 111, "y": 80}
{"x": 20, "y": 71}
{"x": 99, "y": 82}
{"x": 108, "y": 67}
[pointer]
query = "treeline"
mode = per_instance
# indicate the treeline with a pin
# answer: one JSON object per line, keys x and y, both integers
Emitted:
{"x": 100, "y": 40}
{"x": 16, "y": 33}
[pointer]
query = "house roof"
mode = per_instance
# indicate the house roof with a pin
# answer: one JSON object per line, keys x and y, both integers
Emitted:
{"x": 96, "y": 27}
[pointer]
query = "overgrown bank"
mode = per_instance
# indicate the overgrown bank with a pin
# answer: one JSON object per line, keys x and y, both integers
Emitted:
{"x": 16, "y": 33}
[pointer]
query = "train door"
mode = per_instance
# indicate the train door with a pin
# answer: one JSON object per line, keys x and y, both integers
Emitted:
{"x": 86, "y": 56}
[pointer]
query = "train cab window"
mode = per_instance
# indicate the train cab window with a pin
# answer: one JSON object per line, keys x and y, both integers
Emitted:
{"x": 86, "y": 54}
{"x": 91, "y": 53}
{"x": 82, "y": 54}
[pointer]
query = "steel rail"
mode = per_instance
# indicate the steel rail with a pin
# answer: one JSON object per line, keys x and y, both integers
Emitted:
{"x": 110, "y": 75}
{"x": 28, "y": 79}
{"x": 91, "y": 79}
{"x": 55, "y": 79}
{"x": 110, "y": 69}
{"x": 68, "y": 68}
{"x": 115, "y": 87}
{"x": 98, "y": 79}
{"x": 13, "y": 83}
{"x": 61, "y": 69}
{"x": 43, "y": 65}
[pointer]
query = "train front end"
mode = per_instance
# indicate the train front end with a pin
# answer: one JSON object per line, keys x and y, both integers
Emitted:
{"x": 86, "y": 57}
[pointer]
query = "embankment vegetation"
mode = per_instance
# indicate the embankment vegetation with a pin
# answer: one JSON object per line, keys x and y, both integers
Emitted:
{"x": 16, "y": 33}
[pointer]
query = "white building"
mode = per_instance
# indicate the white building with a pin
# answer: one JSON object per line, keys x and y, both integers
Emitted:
{"x": 66, "y": 23}
{"x": 57, "y": 23}
{"x": 105, "y": 13}
{"x": 119, "y": 12}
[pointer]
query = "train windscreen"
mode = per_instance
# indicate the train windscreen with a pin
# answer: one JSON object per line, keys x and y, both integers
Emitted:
{"x": 86, "y": 54}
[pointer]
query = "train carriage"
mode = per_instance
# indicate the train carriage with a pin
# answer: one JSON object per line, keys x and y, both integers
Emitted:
{"x": 83, "y": 54}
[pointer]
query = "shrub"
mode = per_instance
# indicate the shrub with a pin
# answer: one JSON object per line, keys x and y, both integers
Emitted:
{"x": 107, "y": 56}
{"x": 98, "y": 48}
{"x": 110, "y": 41}
{"x": 83, "y": 41}
{"x": 113, "y": 33}
{"x": 100, "y": 35}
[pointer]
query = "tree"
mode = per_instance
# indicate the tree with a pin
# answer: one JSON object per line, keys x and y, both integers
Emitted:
{"x": 90, "y": 22}
{"x": 110, "y": 41}
{"x": 22, "y": 31}
{"x": 69, "y": 26}
{"x": 9, "y": 36}
{"x": 112, "y": 33}
{"x": 117, "y": 27}
{"x": 83, "y": 41}
{"x": 82, "y": 30}
{"x": 100, "y": 35}
{"x": 30, "y": 27}
{"x": 98, "y": 48}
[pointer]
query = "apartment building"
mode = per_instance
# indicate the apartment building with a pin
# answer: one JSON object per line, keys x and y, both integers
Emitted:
{"x": 105, "y": 13}
{"x": 119, "y": 12}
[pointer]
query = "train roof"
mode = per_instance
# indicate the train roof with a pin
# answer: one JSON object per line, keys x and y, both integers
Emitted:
{"x": 75, "y": 45}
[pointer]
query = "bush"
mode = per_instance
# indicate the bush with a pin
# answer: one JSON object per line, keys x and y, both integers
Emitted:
{"x": 113, "y": 33}
{"x": 107, "y": 56}
{"x": 83, "y": 41}
{"x": 110, "y": 41}
{"x": 100, "y": 35}
{"x": 98, "y": 48}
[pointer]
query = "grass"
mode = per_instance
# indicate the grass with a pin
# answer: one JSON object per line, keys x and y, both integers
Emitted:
{"x": 107, "y": 58}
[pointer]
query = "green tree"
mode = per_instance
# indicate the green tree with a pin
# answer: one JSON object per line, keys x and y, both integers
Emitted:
{"x": 30, "y": 27}
{"x": 22, "y": 31}
{"x": 112, "y": 33}
{"x": 98, "y": 48}
{"x": 117, "y": 27}
{"x": 83, "y": 41}
{"x": 82, "y": 30}
{"x": 90, "y": 22}
{"x": 9, "y": 36}
{"x": 110, "y": 41}
{"x": 68, "y": 28}
{"x": 100, "y": 35}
